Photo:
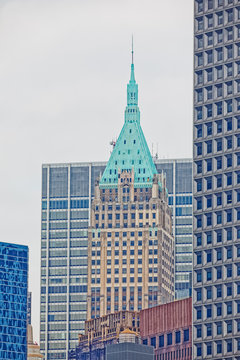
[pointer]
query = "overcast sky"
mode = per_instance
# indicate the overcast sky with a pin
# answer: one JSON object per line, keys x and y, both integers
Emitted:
{"x": 64, "y": 67}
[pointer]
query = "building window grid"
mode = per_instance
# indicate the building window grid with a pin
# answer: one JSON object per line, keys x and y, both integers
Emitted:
{"x": 226, "y": 108}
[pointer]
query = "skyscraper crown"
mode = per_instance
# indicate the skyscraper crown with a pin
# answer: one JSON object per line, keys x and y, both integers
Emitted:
{"x": 131, "y": 150}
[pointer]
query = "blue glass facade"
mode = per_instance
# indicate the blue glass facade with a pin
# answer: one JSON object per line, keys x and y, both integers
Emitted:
{"x": 216, "y": 176}
{"x": 13, "y": 301}
{"x": 67, "y": 191}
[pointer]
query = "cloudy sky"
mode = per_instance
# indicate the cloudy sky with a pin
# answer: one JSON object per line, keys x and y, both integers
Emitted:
{"x": 64, "y": 66}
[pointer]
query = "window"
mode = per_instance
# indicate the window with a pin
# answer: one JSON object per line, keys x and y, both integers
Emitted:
{"x": 229, "y": 161}
{"x": 219, "y": 217}
{"x": 219, "y": 291}
{"x": 229, "y": 179}
{"x": 186, "y": 335}
{"x": 169, "y": 339}
{"x": 209, "y": 128}
{"x": 200, "y": 23}
{"x": 230, "y": 33}
{"x": 219, "y": 309}
{"x": 219, "y": 54}
{"x": 209, "y": 293}
{"x": 209, "y": 274}
{"x": 229, "y": 346}
{"x": 229, "y": 271}
{"x": 229, "y": 88}
{"x": 229, "y": 70}
{"x": 219, "y": 273}
{"x": 219, "y": 90}
{"x": 219, "y": 72}
{"x": 161, "y": 340}
{"x": 209, "y": 219}
{"x": 199, "y": 185}
{"x": 219, "y": 36}
{"x": 219, "y": 199}
{"x": 209, "y": 110}
{"x": 209, "y": 164}
{"x": 209, "y": 349}
{"x": 209, "y": 147}
{"x": 219, "y": 328}
{"x": 153, "y": 341}
{"x": 200, "y": 5}
{"x": 219, "y": 126}
{"x": 220, "y": 18}
{"x": 219, "y": 348}
{"x": 219, "y": 254}
{"x": 209, "y": 312}
{"x": 219, "y": 108}
{"x": 210, "y": 4}
{"x": 199, "y": 350}
{"x": 209, "y": 183}
{"x": 200, "y": 59}
{"x": 219, "y": 180}
{"x": 199, "y": 131}
{"x": 229, "y": 308}
{"x": 199, "y": 149}
{"x": 209, "y": 77}
{"x": 209, "y": 256}
{"x": 229, "y": 290}
{"x": 177, "y": 337}
{"x": 209, "y": 57}
{"x": 209, "y": 39}
{"x": 200, "y": 41}
{"x": 229, "y": 52}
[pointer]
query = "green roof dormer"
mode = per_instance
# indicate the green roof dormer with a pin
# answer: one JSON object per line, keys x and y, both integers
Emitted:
{"x": 131, "y": 150}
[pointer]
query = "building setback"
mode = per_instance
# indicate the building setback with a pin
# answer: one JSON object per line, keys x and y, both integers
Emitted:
{"x": 168, "y": 328}
{"x": 13, "y": 300}
{"x": 216, "y": 176}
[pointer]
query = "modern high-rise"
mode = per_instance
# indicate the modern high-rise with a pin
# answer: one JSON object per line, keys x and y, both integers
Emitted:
{"x": 216, "y": 176}
{"x": 13, "y": 301}
{"x": 130, "y": 242}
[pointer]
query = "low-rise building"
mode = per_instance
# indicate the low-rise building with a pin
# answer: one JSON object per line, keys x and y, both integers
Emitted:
{"x": 103, "y": 331}
{"x": 168, "y": 328}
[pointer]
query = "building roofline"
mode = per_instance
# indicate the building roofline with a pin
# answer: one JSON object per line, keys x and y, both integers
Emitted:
{"x": 104, "y": 163}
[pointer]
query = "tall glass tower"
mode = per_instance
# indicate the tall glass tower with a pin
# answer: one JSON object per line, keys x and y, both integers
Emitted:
{"x": 216, "y": 176}
{"x": 13, "y": 301}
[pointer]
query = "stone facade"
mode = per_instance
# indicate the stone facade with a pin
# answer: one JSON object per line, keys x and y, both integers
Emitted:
{"x": 131, "y": 265}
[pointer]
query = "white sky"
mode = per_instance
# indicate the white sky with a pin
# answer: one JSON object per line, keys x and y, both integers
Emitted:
{"x": 64, "y": 67}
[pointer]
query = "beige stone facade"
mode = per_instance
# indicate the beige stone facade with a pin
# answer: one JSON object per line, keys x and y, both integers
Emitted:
{"x": 130, "y": 247}
{"x": 33, "y": 348}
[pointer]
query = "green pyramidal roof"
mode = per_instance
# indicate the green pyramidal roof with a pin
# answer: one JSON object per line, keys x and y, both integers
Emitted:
{"x": 131, "y": 150}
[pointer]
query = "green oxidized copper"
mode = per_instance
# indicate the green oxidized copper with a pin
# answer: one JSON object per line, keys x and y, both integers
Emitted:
{"x": 131, "y": 150}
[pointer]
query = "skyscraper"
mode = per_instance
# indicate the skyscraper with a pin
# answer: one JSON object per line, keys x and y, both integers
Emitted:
{"x": 13, "y": 301}
{"x": 130, "y": 243}
{"x": 67, "y": 192}
{"x": 216, "y": 174}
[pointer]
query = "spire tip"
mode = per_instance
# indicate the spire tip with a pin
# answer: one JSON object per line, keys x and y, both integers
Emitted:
{"x": 132, "y": 48}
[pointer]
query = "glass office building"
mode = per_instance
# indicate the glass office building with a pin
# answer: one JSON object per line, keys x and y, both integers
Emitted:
{"x": 67, "y": 190}
{"x": 13, "y": 301}
{"x": 216, "y": 175}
